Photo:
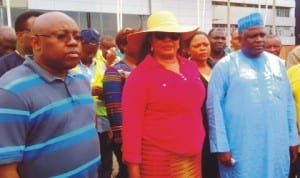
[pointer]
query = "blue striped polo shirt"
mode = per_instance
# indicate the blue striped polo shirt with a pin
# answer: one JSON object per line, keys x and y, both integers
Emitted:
{"x": 47, "y": 124}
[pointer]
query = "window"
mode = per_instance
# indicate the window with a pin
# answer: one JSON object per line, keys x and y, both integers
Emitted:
{"x": 282, "y": 12}
{"x": 285, "y": 31}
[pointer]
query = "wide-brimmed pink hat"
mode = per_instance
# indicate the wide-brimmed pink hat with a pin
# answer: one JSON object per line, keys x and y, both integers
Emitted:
{"x": 159, "y": 22}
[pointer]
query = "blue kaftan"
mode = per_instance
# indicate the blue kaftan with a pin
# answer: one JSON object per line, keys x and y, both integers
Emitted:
{"x": 252, "y": 114}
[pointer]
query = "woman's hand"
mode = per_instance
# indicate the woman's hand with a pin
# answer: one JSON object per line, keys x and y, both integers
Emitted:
{"x": 133, "y": 170}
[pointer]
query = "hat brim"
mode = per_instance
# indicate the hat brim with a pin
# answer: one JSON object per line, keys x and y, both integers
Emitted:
{"x": 136, "y": 40}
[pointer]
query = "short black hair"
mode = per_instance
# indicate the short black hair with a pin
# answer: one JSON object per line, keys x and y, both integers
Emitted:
{"x": 187, "y": 42}
{"x": 21, "y": 20}
{"x": 215, "y": 29}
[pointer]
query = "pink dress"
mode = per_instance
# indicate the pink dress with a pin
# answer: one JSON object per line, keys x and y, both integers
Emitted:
{"x": 162, "y": 120}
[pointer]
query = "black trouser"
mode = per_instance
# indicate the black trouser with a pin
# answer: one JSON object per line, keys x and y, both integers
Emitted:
{"x": 123, "y": 173}
{"x": 105, "y": 169}
{"x": 295, "y": 168}
{"x": 210, "y": 168}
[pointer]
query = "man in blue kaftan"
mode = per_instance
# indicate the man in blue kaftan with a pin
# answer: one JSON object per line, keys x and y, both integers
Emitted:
{"x": 252, "y": 120}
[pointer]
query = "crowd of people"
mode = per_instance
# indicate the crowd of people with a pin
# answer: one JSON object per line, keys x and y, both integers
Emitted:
{"x": 168, "y": 101}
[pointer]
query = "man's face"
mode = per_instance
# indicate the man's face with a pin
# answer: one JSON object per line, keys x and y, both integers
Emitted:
{"x": 252, "y": 41}
{"x": 273, "y": 45}
{"x": 60, "y": 46}
{"x": 218, "y": 40}
{"x": 235, "y": 41}
{"x": 107, "y": 45}
{"x": 88, "y": 51}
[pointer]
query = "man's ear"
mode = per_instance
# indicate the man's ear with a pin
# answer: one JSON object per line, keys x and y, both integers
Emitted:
{"x": 19, "y": 36}
{"x": 35, "y": 43}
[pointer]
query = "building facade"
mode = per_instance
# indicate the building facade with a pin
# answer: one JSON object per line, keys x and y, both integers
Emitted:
{"x": 279, "y": 20}
{"x": 109, "y": 16}
{"x": 297, "y": 29}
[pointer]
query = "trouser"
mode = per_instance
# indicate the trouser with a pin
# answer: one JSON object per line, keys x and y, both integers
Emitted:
{"x": 295, "y": 168}
{"x": 123, "y": 173}
{"x": 210, "y": 168}
{"x": 105, "y": 169}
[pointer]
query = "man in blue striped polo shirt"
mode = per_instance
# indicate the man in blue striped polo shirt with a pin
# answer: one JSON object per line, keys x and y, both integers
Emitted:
{"x": 47, "y": 126}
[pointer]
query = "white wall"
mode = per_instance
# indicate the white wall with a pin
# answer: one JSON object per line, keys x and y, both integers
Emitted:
{"x": 284, "y": 3}
{"x": 192, "y": 13}
{"x": 105, "y": 6}
{"x": 16, "y": 3}
{"x": 189, "y": 13}
{"x": 220, "y": 12}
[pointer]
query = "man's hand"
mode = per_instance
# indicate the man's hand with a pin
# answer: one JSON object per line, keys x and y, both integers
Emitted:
{"x": 110, "y": 134}
{"x": 225, "y": 158}
{"x": 111, "y": 55}
{"x": 294, "y": 153}
{"x": 97, "y": 91}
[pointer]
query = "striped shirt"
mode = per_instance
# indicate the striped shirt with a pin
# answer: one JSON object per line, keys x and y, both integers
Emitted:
{"x": 47, "y": 124}
{"x": 113, "y": 83}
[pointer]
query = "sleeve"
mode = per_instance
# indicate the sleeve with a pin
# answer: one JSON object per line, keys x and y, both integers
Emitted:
{"x": 293, "y": 58}
{"x": 112, "y": 91}
{"x": 216, "y": 93}
{"x": 13, "y": 128}
{"x": 133, "y": 105}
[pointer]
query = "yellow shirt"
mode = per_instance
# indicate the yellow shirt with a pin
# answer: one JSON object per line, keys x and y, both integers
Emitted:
{"x": 294, "y": 76}
{"x": 99, "y": 69}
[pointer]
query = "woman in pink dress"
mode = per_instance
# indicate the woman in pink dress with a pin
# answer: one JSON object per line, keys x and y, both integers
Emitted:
{"x": 162, "y": 98}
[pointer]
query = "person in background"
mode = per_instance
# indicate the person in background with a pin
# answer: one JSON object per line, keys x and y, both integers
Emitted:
{"x": 47, "y": 112}
{"x": 114, "y": 80}
{"x": 293, "y": 57}
{"x": 108, "y": 49}
{"x": 217, "y": 39}
{"x": 7, "y": 40}
{"x": 294, "y": 76}
{"x": 273, "y": 44}
{"x": 90, "y": 47}
{"x": 23, "y": 25}
{"x": 162, "y": 98}
{"x": 198, "y": 48}
{"x": 250, "y": 107}
{"x": 235, "y": 41}
{"x": 94, "y": 69}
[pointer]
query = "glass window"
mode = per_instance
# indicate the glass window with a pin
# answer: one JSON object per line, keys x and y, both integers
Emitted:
{"x": 282, "y": 12}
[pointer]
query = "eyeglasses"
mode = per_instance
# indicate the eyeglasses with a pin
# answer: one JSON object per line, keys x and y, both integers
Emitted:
{"x": 62, "y": 37}
{"x": 164, "y": 35}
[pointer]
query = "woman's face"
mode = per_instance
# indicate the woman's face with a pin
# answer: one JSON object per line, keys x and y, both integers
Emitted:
{"x": 199, "y": 48}
{"x": 165, "y": 45}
